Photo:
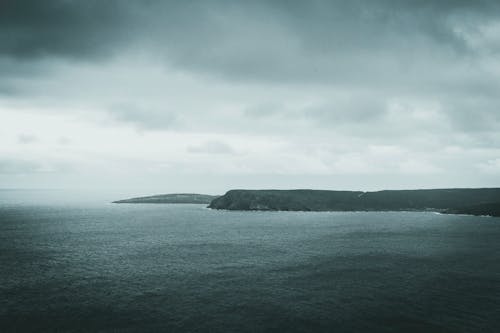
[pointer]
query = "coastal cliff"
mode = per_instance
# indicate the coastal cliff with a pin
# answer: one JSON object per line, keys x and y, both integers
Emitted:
{"x": 481, "y": 201}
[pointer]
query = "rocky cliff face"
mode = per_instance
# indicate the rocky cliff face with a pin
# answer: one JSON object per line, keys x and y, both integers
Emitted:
{"x": 305, "y": 200}
{"x": 487, "y": 209}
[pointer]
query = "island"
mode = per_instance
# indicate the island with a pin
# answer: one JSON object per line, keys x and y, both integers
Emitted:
{"x": 477, "y": 201}
{"x": 177, "y": 198}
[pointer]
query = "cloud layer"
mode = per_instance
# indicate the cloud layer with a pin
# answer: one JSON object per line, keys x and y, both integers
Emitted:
{"x": 375, "y": 90}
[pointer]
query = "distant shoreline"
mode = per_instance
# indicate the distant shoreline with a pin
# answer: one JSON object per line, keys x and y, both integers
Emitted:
{"x": 177, "y": 198}
{"x": 478, "y": 202}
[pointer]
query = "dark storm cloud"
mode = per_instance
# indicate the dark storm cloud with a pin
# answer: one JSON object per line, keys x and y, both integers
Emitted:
{"x": 345, "y": 42}
{"x": 81, "y": 29}
{"x": 240, "y": 38}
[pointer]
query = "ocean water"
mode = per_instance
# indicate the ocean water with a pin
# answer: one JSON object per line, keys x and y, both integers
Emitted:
{"x": 92, "y": 266}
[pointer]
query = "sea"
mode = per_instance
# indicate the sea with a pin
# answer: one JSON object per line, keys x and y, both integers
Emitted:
{"x": 87, "y": 265}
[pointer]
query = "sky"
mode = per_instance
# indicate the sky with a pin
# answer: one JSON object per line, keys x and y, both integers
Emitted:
{"x": 204, "y": 96}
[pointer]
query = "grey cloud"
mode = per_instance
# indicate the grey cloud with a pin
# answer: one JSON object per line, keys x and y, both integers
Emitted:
{"x": 26, "y": 138}
{"x": 474, "y": 113}
{"x": 7, "y": 89}
{"x": 263, "y": 110}
{"x": 348, "y": 111}
{"x": 13, "y": 67}
{"x": 16, "y": 166}
{"x": 345, "y": 113}
{"x": 64, "y": 141}
{"x": 147, "y": 118}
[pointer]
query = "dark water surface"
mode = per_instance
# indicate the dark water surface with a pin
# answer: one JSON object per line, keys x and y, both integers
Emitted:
{"x": 90, "y": 266}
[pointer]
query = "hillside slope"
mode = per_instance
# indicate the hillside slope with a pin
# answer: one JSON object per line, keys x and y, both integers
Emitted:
{"x": 443, "y": 200}
{"x": 193, "y": 198}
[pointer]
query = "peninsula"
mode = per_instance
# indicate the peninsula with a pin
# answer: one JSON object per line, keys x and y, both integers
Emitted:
{"x": 479, "y": 201}
{"x": 179, "y": 198}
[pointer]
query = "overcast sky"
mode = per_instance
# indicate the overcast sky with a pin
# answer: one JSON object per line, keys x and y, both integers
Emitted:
{"x": 204, "y": 96}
